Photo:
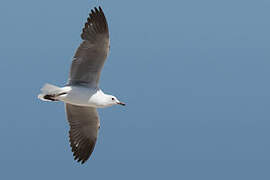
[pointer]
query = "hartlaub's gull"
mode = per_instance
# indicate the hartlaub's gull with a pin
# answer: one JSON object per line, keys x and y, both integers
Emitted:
{"x": 82, "y": 95}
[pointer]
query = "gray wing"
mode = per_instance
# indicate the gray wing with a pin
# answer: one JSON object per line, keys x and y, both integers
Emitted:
{"x": 84, "y": 125}
{"x": 92, "y": 53}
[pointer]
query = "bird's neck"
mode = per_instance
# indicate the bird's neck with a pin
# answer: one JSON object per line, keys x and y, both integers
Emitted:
{"x": 101, "y": 99}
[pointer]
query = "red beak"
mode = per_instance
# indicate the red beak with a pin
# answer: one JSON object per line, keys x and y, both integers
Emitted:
{"x": 121, "y": 103}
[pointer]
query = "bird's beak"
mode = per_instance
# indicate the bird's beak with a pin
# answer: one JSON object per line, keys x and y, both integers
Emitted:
{"x": 121, "y": 103}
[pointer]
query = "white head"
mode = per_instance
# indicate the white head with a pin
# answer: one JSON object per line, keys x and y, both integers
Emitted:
{"x": 112, "y": 100}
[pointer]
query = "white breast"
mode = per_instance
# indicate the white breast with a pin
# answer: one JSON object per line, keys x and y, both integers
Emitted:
{"x": 83, "y": 96}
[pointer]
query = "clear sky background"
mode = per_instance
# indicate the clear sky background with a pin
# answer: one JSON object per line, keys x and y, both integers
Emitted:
{"x": 194, "y": 75}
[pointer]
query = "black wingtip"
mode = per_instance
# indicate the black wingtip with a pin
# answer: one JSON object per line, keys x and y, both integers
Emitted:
{"x": 100, "y": 9}
{"x": 96, "y": 24}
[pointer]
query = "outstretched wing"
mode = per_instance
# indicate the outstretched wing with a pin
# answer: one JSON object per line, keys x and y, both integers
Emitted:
{"x": 92, "y": 53}
{"x": 84, "y": 125}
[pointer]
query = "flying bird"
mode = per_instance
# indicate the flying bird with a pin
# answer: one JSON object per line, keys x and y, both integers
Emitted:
{"x": 82, "y": 95}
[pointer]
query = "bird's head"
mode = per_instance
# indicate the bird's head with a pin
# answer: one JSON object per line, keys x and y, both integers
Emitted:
{"x": 112, "y": 100}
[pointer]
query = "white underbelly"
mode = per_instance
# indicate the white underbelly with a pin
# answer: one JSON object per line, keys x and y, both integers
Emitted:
{"x": 80, "y": 96}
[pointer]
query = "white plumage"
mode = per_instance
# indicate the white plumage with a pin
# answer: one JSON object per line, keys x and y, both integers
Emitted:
{"x": 82, "y": 94}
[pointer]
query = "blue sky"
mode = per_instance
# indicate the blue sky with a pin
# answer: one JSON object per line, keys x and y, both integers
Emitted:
{"x": 194, "y": 75}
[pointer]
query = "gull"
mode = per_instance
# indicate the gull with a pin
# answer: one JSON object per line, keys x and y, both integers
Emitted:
{"x": 82, "y": 95}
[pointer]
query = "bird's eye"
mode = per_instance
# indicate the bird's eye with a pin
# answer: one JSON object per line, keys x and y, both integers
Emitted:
{"x": 113, "y": 99}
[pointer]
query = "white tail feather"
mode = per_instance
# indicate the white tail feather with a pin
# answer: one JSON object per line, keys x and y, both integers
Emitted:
{"x": 48, "y": 89}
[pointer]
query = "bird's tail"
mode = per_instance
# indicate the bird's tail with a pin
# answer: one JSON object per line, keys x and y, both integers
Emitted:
{"x": 49, "y": 92}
